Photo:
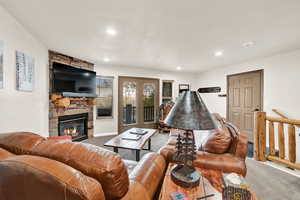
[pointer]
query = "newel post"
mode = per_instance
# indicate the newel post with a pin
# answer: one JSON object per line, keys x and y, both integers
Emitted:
{"x": 260, "y": 136}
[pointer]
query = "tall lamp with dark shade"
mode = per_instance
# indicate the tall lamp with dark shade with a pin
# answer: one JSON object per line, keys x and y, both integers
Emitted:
{"x": 189, "y": 113}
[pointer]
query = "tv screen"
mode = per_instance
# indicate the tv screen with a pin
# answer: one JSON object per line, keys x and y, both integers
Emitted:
{"x": 72, "y": 81}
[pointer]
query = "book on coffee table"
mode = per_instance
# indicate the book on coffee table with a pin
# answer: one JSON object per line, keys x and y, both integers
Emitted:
{"x": 138, "y": 131}
{"x": 131, "y": 137}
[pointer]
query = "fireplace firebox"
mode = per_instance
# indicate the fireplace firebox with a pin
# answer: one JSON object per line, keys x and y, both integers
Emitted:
{"x": 74, "y": 125}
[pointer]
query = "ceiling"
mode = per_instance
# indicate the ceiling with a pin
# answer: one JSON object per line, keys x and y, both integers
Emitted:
{"x": 162, "y": 34}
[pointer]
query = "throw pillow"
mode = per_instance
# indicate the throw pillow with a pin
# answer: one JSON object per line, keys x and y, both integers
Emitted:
{"x": 218, "y": 141}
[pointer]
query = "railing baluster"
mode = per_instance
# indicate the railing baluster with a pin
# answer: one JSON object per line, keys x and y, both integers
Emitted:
{"x": 260, "y": 136}
{"x": 271, "y": 138}
{"x": 281, "y": 140}
{"x": 292, "y": 144}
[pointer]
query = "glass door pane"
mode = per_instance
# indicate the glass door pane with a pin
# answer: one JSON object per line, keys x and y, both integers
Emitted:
{"x": 149, "y": 102}
{"x": 129, "y": 102}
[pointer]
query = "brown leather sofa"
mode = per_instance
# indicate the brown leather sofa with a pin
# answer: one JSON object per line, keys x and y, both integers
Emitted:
{"x": 33, "y": 168}
{"x": 232, "y": 160}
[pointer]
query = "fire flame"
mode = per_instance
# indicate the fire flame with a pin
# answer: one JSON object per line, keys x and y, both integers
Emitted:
{"x": 71, "y": 131}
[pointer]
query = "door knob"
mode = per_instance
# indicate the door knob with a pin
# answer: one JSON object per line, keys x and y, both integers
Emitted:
{"x": 255, "y": 110}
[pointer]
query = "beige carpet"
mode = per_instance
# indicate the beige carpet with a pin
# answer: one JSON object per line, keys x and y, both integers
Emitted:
{"x": 267, "y": 182}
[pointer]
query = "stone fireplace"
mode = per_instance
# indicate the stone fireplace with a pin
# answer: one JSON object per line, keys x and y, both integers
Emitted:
{"x": 77, "y": 118}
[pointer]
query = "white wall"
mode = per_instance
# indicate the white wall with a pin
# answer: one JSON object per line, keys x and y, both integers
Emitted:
{"x": 22, "y": 111}
{"x": 281, "y": 85}
{"x": 110, "y": 126}
{"x": 281, "y": 78}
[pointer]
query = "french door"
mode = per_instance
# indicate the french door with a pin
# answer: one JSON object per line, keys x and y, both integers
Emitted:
{"x": 138, "y": 100}
{"x": 244, "y": 98}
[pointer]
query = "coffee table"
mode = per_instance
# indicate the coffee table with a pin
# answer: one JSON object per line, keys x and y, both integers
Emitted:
{"x": 211, "y": 180}
{"x": 136, "y": 145}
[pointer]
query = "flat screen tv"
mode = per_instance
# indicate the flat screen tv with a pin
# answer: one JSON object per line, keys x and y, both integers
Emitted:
{"x": 73, "y": 82}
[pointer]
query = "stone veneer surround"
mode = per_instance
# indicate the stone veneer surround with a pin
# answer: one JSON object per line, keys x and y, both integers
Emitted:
{"x": 75, "y": 107}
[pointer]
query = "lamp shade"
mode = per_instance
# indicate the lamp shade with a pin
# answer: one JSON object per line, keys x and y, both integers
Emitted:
{"x": 190, "y": 113}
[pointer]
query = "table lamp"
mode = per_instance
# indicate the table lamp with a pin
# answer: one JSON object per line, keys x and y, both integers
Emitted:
{"x": 189, "y": 113}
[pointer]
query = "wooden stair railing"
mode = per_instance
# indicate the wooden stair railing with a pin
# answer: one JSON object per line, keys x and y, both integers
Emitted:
{"x": 260, "y": 135}
{"x": 281, "y": 115}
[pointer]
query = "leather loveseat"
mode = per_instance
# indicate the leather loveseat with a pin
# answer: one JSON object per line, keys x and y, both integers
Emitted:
{"x": 33, "y": 168}
{"x": 224, "y": 148}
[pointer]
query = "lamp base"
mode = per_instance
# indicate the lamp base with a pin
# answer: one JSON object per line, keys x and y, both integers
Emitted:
{"x": 185, "y": 176}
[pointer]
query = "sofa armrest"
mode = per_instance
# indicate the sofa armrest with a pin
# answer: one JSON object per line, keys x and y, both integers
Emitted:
{"x": 168, "y": 152}
{"x": 35, "y": 178}
{"x": 146, "y": 177}
{"x": 226, "y": 163}
{"x": 242, "y": 146}
{"x": 20, "y": 142}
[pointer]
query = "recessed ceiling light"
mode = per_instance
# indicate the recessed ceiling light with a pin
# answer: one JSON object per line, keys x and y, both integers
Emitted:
{"x": 111, "y": 31}
{"x": 178, "y": 68}
{"x": 106, "y": 59}
{"x": 248, "y": 44}
{"x": 218, "y": 53}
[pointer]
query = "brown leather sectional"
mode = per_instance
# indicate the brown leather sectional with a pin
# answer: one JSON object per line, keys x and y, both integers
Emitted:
{"x": 33, "y": 168}
{"x": 210, "y": 155}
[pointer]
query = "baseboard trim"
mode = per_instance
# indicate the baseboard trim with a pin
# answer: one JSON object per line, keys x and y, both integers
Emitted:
{"x": 280, "y": 167}
{"x": 283, "y": 168}
{"x": 105, "y": 134}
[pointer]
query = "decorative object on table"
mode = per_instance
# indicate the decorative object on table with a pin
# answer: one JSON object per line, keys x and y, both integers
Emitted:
{"x": 1, "y": 65}
{"x": 209, "y": 90}
{"x": 138, "y": 131}
{"x": 183, "y": 87}
{"x": 189, "y": 113}
{"x": 104, "y": 100}
{"x": 235, "y": 187}
{"x": 24, "y": 72}
{"x": 210, "y": 183}
{"x": 164, "y": 110}
{"x": 131, "y": 137}
{"x": 177, "y": 196}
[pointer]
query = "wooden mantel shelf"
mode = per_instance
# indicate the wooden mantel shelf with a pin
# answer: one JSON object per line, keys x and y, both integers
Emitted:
{"x": 64, "y": 102}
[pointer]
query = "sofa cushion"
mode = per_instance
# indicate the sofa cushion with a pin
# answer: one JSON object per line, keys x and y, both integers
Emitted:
{"x": 38, "y": 178}
{"x": 218, "y": 141}
{"x": 239, "y": 145}
{"x": 105, "y": 166}
{"x": 5, "y": 154}
{"x": 20, "y": 142}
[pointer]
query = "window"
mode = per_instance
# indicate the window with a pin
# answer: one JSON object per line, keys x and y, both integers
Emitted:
{"x": 104, "y": 100}
{"x": 167, "y": 89}
{"x": 129, "y": 102}
{"x": 149, "y": 102}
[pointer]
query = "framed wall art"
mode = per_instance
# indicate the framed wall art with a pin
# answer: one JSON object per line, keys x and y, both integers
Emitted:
{"x": 104, "y": 100}
{"x": 24, "y": 72}
{"x": 184, "y": 87}
{"x": 167, "y": 90}
{"x": 1, "y": 64}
